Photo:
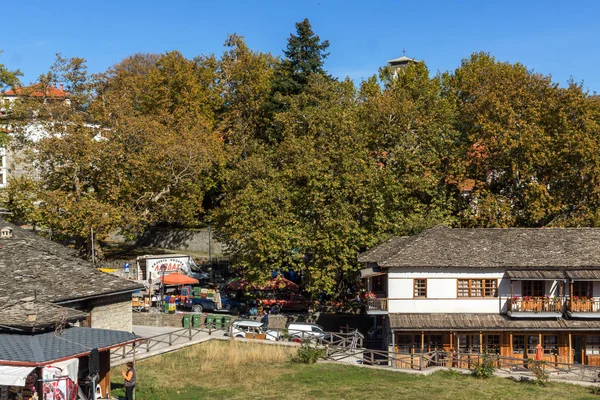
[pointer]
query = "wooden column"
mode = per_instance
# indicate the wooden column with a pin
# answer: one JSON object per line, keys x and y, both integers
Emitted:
{"x": 104, "y": 374}
{"x": 510, "y": 345}
{"x": 422, "y": 341}
{"x": 570, "y": 348}
{"x": 480, "y": 342}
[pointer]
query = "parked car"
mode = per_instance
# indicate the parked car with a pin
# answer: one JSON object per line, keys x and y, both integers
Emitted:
{"x": 248, "y": 328}
{"x": 299, "y": 331}
{"x": 198, "y": 305}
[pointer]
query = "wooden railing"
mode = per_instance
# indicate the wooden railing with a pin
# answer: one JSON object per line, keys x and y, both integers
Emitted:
{"x": 377, "y": 304}
{"x": 535, "y": 304}
{"x": 583, "y": 305}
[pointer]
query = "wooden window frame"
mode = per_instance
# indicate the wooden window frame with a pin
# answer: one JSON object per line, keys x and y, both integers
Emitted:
{"x": 418, "y": 296}
{"x": 577, "y": 289}
{"x": 483, "y": 288}
{"x": 530, "y": 285}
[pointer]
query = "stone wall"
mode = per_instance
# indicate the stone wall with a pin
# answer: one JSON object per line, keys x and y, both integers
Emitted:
{"x": 182, "y": 239}
{"x": 112, "y": 312}
{"x": 176, "y": 320}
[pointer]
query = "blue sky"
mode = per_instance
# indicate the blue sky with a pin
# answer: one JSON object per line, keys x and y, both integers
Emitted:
{"x": 550, "y": 37}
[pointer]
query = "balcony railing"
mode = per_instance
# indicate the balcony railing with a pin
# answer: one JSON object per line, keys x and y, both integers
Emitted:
{"x": 535, "y": 304}
{"x": 377, "y": 304}
{"x": 575, "y": 304}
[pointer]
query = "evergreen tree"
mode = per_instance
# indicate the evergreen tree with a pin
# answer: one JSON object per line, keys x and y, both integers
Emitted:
{"x": 305, "y": 55}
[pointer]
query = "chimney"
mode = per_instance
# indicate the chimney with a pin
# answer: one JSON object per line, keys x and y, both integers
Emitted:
{"x": 61, "y": 87}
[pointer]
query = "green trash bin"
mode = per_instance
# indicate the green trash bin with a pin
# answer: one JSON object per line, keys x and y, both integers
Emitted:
{"x": 226, "y": 321}
{"x": 218, "y": 321}
{"x": 166, "y": 307}
{"x": 186, "y": 320}
{"x": 196, "y": 320}
{"x": 210, "y": 319}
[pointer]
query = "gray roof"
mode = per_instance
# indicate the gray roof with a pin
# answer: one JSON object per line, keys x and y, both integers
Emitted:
{"x": 497, "y": 248}
{"x": 34, "y": 315}
{"x": 383, "y": 251}
{"x": 35, "y": 269}
{"x": 489, "y": 322}
{"x": 399, "y": 60}
{"x": 46, "y": 347}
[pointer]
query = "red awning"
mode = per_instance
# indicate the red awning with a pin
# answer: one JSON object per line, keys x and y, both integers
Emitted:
{"x": 178, "y": 279}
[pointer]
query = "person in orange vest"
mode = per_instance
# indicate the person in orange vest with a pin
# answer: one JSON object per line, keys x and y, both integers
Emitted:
{"x": 539, "y": 352}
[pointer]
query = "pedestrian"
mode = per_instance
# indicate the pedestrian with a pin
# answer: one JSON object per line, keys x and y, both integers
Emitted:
{"x": 217, "y": 299}
{"x": 129, "y": 377}
{"x": 265, "y": 318}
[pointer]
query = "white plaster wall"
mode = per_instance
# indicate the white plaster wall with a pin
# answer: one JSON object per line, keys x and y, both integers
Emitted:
{"x": 442, "y": 291}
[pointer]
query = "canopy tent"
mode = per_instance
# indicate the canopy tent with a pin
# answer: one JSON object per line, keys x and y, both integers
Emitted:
{"x": 14, "y": 376}
{"x": 178, "y": 279}
{"x": 277, "y": 283}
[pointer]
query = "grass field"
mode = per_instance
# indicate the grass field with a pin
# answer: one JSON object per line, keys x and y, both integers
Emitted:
{"x": 235, "y": 370}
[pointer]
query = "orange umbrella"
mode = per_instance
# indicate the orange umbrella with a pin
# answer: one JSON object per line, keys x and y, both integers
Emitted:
{"x": 178, "y": 279}
{"x": 539, "y": 352}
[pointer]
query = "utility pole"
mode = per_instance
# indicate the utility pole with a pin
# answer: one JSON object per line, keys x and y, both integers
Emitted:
{"x": 93, "y": 252}
{"x": 212, "y": 273}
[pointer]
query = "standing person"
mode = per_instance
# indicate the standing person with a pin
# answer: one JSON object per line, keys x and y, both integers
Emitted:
{"x": 265, "y": 319}
{"x": 129, "y": 377}
{"x": 217, "y": 299}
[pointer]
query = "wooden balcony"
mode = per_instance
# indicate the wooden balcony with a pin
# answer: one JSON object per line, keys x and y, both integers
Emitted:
{"x": 528, "y": 307}
{"x": 377, "y": 305}
{"x": 583, "y": 308}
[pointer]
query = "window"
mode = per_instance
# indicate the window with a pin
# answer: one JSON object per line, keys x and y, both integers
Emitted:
{"x": 491, "y": 344}
{"x": 532, "y": 288}
{"x": 377, "y": 284}
{"x": 592, "y": 344}
{"x": 477, "y": 287}
{"x": 520, "y": 341}
{"x": 420, "y": 287}
{"x": 550, "y": 344}
{"x": 468, "y": 343}
{"x": 582, "y": 289}
{"x": 518, "y": 344}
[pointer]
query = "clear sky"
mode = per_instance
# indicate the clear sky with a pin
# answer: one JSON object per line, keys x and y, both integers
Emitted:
{"x": 558, "y": 38}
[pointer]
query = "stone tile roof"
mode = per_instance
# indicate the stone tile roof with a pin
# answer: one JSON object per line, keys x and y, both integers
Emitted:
{"x": 383, "y": 251}
{"x": 33, "y": 315}
{"x": 494, "y": 247}
{"x": 489, "y": 322}
{"x": 38, "y": 271}
{"x": 46, "y": 347}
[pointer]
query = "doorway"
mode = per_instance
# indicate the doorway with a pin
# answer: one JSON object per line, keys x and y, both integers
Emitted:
{"x": 577, "y": 349}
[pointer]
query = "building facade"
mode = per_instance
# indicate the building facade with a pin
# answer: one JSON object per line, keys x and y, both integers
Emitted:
{"x": 498, "y": 291}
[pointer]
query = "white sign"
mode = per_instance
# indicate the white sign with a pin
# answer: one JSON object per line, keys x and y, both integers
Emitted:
{"x": 154, "y": 267}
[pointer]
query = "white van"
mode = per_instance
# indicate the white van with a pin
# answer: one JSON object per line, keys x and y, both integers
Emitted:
{"x": 251, "y": 329}
{"x": 299, "y": 331}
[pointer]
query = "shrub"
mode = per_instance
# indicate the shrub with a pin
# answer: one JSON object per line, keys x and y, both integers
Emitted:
{"x": 309, "y": 353}
{"x": 595, "y": 390}
{"x": 539, "y": 371}
{"x": 485, "y": 368}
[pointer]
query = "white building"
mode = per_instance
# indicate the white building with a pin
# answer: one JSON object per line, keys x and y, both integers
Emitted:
{"x": 490, "y": 290}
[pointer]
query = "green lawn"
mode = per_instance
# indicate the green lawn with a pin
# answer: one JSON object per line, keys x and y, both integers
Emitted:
{"x": 234, "y": 370}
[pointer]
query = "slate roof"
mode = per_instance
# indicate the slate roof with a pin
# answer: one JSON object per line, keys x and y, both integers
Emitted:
{"x": 36, "y": 269}
{"x": 35, "y": 315}
{"x": 383, "y": 251}
{"x": 495, "y": 248}
{"x": 493, "y": 322}
{"x": 46, "y": 347}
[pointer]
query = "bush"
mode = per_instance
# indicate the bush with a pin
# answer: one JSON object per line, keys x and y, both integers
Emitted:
{"x": 595, "y": 390}
{"x": 539, "y": 371}
{"x": 485, "y": 368}
{"x": 309, "y": 353}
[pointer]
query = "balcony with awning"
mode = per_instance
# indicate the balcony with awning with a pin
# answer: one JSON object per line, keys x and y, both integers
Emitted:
{"x": 541, "y": 293}
{"x": 581, "y": 303}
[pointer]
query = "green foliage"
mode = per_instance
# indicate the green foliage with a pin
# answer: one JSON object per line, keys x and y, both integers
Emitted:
{"x": 309, "y": 353}
{"x": 595, "y": 390}
{"x": 484, "y": 368}
{"x": 539, "y": 371}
